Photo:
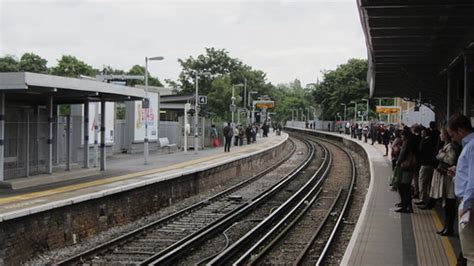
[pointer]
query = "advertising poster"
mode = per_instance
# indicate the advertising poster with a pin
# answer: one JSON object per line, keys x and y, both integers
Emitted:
{"x": 109, "y": 122}
{"x": 140, "y": 119}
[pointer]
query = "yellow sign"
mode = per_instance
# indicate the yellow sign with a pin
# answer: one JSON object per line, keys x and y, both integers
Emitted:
{"x": 387, "y": 109}
{"x": 264, "y": 104}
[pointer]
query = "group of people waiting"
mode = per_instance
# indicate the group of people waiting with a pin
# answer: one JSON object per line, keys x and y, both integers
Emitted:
{"x": 241, "y": 133}
{"x": 433, "y": 166}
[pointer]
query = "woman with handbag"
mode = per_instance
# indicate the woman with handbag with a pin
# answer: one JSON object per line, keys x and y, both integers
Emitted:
{"x": 407, "y": 163}
{"x": 442, "y": 185}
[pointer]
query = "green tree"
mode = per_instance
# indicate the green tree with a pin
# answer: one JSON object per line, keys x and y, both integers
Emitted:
{"x": 9, "y": 64}
{"x": 70, "y": 66}
{"x": 140, "y": 70}
{"x": 30, "y": 62}
{"x": 344, "y": 84}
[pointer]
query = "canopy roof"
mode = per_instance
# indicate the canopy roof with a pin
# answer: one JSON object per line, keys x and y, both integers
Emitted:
{"x": 411, "y": 43}
{"x": 33, "y": 88}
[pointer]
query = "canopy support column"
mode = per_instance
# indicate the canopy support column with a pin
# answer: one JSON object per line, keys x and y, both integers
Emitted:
{"x": 49, "y": 109}
{"x": 86, "y": 134}
{"x": 467, "y": 84}
{"x": 2, "y": 135}
{"x": 102, "y": 135}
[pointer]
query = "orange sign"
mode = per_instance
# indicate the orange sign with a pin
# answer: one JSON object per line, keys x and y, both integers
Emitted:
{"x": 264, "y": 104}
{"x": 387, "y": 109}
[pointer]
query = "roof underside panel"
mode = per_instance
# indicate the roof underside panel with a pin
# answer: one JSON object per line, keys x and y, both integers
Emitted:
{"x": 411, "y": 42}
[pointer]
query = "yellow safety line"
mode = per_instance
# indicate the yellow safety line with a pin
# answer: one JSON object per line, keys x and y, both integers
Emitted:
{"x": 448, "y": 248}
{"x": 54, "y": 191}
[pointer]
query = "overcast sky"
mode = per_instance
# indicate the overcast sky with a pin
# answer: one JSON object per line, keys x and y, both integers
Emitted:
{"x": 285, "y": 39}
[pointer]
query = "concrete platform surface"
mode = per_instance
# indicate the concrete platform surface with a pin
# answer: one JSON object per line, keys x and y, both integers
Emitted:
{"x": 124, "y": 172}
{"x": 384, "y": 237}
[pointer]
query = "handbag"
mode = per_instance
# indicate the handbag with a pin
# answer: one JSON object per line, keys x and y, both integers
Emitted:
{"x": 396, "y": 177}
{"x": 216, "y": 142}
{"x": 442, "y": 168}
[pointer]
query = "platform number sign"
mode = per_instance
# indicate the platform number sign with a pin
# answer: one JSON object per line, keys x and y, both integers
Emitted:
{"x": 202, "y": 99}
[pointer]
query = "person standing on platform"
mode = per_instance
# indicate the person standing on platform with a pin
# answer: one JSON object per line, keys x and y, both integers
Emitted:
{"x": 407, "y": 165}
{"x": 427, "y": 160}
{"x": 460, "y": 130}
{"x": 228, "y": 134}
{"x": 236, "y": 136}
{"x": 248, "y": 134}
{"x": 385, "y": 140}
{"x": 442, "y": 185}
{"x": 396, "y": 147}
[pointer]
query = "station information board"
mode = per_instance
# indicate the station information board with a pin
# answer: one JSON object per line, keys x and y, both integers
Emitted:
{"x": 264, "y": 104}
{"x": 387, "y": 109}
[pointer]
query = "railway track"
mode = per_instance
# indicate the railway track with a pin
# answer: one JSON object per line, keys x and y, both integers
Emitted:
{"x": 250, "y": 223}
{"x": 141, "y": 244}
{"x": 249, "y": 219}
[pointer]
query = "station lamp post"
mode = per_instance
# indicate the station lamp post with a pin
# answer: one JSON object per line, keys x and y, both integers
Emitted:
{"x": 355, "y": 110}
{"x": 345, "y": 110}
{"x": 196, "y": 109}
{"x": 367, "y": 108}
{"x": 249, "y": 99}
{"x": 147, "y": 109}
{"x": 233, "y": 100}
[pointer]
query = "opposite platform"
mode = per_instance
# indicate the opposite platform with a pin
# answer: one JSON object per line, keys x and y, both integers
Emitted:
{"x": 125, "y": 174}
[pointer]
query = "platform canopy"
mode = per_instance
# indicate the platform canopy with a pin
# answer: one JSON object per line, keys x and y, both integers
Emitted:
{"x": 411, "y": 43}
{"x": 33, "y": 88}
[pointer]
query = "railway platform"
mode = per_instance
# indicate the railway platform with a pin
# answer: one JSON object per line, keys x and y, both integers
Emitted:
{"x": 125, "y": 172}
{"x": 384, "y": 237}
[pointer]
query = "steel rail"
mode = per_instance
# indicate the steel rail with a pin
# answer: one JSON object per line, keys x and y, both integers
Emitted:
{"x": 344, "y": 208}
{"x": 287, "y": 221}
{"x": 111, "y": 244}
{"x": 174, "y": 252}
{"x": 258, "y": 257}
{"x": 239, "y": 245}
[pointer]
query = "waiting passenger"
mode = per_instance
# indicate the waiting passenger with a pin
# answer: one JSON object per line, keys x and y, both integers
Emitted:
{"x": 395, "y": 147}
{"x": 442, "y": 185}
{"x": 427, "y": 160}
{"x": 407, "y": 163}
{"x": 460, "y": 130}
{"x": 228, "y": 133}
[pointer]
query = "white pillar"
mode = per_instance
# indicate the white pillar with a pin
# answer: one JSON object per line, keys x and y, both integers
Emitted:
{"x": 102, "y": 136}
{"x": 86, "y": 134}
{"x": 49, "y": 108}
{"x": 2, "y": 135}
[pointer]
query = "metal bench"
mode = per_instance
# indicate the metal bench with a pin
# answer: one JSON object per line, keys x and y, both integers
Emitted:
{"x": 165, "y": 143}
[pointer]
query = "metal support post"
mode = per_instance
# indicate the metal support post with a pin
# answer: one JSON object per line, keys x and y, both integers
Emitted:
{"x": 196, "y": 117}
{"x": 448, "y": 93}
{"x": 49, "y": 109}
{"x": 68, "y": 143}
{"x": 467, "y": 84}
{"x": 102, "y": 135}
{"x": 86, "y": 134}
{"x": 2, "y": 136}
{"x": 96, "y": 135}
{"x": 27, "y": 143}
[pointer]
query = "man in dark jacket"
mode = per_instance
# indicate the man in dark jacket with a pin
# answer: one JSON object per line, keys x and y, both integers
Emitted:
{"x": 427, "y": 160}
{"x": 228, "y": 134}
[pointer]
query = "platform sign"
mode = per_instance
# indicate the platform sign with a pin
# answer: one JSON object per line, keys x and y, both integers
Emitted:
{"x": 140, "y": 119}
{"x": 264, "y": 104}
{"x": 387, "y": 109}
{"x": 202, "y": 99}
